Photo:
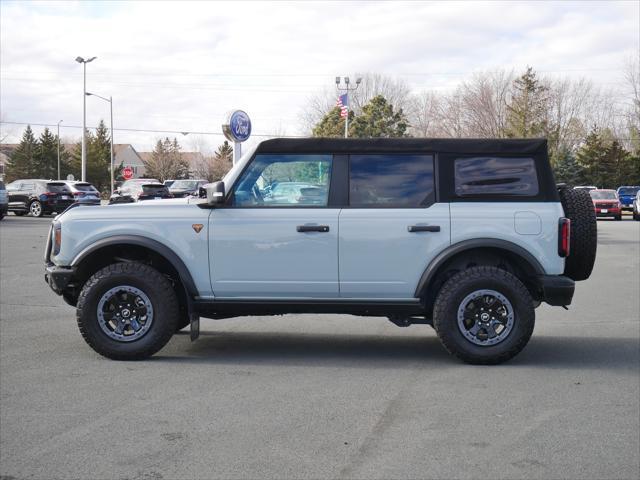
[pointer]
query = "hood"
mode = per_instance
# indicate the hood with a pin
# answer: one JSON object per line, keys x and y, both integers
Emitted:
{"x": 144, "y": 209}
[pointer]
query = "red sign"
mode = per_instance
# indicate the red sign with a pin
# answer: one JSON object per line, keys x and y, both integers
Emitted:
{"x": 127, "y": 173}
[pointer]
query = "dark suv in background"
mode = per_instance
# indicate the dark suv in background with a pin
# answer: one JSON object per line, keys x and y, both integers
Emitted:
{"x": 4, "y": 204}
{"x": 186, "y": 188}
{"x": 38, "y": 197}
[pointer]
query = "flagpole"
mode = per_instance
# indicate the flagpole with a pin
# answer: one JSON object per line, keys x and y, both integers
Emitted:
{"x": 345, "y": 105}
{"x": 346, "y": 119}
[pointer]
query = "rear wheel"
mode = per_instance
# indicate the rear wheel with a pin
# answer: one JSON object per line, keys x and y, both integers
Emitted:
{"x": 484, "y": 315}
{"x": 127, "y": 311}
{"x": 578, "y": 207}
{"x": 35, "y": 208}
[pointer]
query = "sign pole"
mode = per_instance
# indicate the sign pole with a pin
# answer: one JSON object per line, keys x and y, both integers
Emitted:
{"x": 237, "y": 152}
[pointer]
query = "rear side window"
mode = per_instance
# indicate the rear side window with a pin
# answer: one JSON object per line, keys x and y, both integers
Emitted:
{"x": 391, "y": 181}
{"x": 480, "y": 176}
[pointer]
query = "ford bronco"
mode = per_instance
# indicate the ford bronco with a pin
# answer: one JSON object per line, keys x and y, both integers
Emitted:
{"x": 468, "y": 236}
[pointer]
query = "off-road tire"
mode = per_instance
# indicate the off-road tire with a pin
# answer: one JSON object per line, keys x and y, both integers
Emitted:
{"x": 578, "y": 207}
{"x": 163, "y": 299}
{"x": 462, "y": 284}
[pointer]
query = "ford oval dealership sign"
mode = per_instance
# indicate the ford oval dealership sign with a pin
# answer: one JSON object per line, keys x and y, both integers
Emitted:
{"x": 237, "y": 127}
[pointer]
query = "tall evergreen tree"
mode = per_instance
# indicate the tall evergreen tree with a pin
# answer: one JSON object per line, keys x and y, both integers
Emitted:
{"x": 332, "y": 124}
{"x": 527, "y": 110}
{"x": 591, "y": 157}
{"x": 378, "y": 119}
{"x": 23, "y": 160}
{"x": 46, "y": 158}
{"x": 98, "y": 159}
{"x": 567, "y": 169}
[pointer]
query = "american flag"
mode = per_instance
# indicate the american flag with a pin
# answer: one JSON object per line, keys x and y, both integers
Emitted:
{"x": 343, "y": 103}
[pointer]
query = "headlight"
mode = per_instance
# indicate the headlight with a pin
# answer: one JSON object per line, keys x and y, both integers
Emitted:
{"x": 57, "y": 237}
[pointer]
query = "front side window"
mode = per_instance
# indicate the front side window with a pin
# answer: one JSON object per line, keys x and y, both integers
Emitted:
{"x": 391, "y": 181}
{"x": 479, "y": 176}
{"x": 292, "y": 180}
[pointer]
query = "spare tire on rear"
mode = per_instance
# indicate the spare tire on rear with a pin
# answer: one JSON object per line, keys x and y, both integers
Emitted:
{"x": 578, "y": 207}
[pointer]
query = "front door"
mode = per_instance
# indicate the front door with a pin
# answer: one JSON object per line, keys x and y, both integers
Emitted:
{"x": 277, "y": 237}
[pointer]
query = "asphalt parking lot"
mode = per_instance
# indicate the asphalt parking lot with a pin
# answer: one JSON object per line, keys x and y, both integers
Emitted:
{"x": 318, "y": 396}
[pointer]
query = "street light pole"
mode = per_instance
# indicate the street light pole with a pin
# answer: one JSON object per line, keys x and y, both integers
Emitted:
{"x": 84, "y": 116}
{"x": 347, "y": 89}
{"x": 59, "y": 149}
{"x": 110, "y": 100}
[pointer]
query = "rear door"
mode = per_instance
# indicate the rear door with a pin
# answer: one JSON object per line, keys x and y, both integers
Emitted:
{"x": 14, "y": 194}
{"x": 392, "y": 228}
{"x": 264, "y": 246}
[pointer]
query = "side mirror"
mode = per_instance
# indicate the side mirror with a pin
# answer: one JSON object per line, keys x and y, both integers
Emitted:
{"x": 215, "y": 193}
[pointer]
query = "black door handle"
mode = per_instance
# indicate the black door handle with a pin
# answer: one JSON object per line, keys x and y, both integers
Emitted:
{"x": 423, "y": 228}
{"x": 312, "y": 228}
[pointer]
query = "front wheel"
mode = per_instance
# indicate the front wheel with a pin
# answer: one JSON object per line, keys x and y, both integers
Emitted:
{"x": 127, "y": 311}
{"x": 35, "y": 209}
{"x": 484, "y": 315}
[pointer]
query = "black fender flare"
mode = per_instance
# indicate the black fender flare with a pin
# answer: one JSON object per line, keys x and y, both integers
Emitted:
{"x": 450, "y": 251}
{"x": 154, "y": 245}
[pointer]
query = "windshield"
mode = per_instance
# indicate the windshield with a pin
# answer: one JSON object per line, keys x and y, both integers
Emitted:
{"x": 603, "y": 195}
{"x": 184, "y": 185}
{"x": 628, "y": 190}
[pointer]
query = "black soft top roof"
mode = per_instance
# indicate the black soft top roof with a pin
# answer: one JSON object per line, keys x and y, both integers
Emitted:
{"x": 481, "y": 146}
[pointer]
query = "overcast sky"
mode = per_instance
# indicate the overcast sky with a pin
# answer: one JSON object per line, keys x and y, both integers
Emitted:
{"x": 180, "y": 66}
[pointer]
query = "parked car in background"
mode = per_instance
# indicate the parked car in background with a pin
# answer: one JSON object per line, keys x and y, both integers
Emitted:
{"x": 4, "y": 202}
{"x": 185, "y": 188}
{"x": 127, "y": 188}
{"x": 139, "y": 191}
{"x": 168, "y": 183}
{"x": 295, "y": 192}
{"x": 588, "y": 188}
{"x": 626, "y": 195}
{"x": 606, "y": 204}
{"x": 636, "y": 207}
{"x": 38, "y": 197}
{"x": 84, "y": 192}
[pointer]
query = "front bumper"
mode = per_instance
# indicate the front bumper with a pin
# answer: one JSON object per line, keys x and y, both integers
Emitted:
{"x": 58, "y": 278}
{"x": 556, "y": 290}
{"x": 610, "y": 212}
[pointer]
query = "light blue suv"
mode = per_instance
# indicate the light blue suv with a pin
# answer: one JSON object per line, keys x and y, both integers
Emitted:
{"x": 468, "y": 236}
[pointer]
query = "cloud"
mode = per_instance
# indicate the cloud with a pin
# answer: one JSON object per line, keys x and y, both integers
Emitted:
{"x": 181, "y": 65}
